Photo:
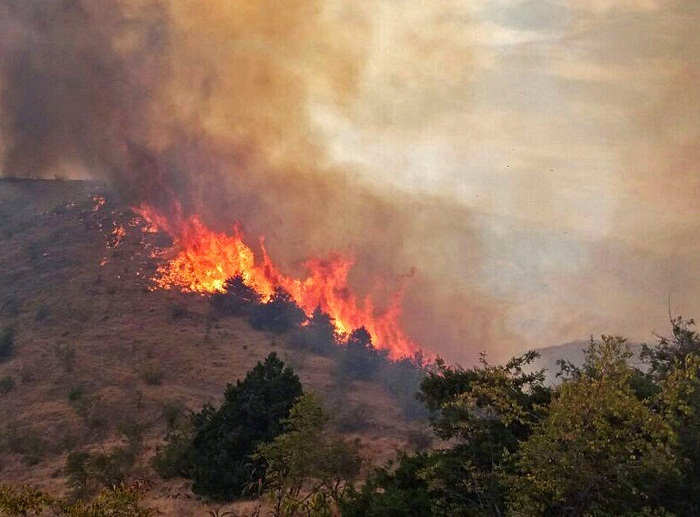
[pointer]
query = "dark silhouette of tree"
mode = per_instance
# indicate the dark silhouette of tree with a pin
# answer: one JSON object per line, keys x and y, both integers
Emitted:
{"x": 317, "y": 335}
{"x": 237, "y": 298}
{"x": 224, "y": 439}
{"x": 360, "y": 360}
{"x": 278, "y": 315}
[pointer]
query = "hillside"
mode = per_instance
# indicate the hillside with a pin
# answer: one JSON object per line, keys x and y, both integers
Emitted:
{"x": 96, "y": 350}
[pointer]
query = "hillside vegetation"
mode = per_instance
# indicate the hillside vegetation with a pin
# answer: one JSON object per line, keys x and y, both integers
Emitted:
{"x": 96, "y": 361}
{"x": 120, "y": 400}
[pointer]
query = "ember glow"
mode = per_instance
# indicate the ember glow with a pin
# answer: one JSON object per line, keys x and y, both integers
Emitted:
{"x": 205, "y": 259}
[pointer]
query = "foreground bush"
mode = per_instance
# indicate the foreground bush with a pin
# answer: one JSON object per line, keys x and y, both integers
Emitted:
{"x": 120, "y": 501}
{"x": 215, "y": 449}
{"x": 611, "y": 439}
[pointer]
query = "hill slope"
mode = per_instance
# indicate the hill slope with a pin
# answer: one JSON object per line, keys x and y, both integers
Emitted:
{"x": 95, "y": 349}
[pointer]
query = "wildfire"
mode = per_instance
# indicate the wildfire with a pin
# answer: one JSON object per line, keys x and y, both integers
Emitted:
{"x": 205, "y": 259}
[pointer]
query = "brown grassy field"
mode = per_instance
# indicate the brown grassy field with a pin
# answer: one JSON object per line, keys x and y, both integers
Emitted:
{"x": 96, "y": 334}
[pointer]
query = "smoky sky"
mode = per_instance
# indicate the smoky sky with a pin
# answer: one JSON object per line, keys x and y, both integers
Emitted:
{"x": 529, "y": 165}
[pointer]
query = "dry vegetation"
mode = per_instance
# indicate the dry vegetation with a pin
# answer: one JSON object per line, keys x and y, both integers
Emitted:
{"x": 95, "y": 351}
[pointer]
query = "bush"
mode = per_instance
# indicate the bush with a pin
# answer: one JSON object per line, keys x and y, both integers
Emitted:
{"x": 24, "y": 441}
{"x": 124, "y": 501}
{"x": 87, "y": 472}
{"x": 177, "y": 311}
{"x": 237, "y": 298}
{"x": 42, "y": 312}
{"x": 152, "y": 374}
{"x": 172, "y": 459}
{"x": 66, "y": 356}
{"x": 7, "y": 384}
{"x": 360, "y": 360}
{"x": 278, "y": 315}
{"x": 7, "y": 344}
{"x": 172, "y": 413}
{"x": 317, "y": 336}
{"x": 11, "y": 307}
{"x": 351, "y": 418}
{"x": 402, "y": 380}
{"x": 89, "y": 408}
{"x": 224, "y": 438}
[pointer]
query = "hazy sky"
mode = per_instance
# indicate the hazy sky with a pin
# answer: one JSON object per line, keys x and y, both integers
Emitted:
{"x": 570, "y": 127}
{"x": 532, "y": 164}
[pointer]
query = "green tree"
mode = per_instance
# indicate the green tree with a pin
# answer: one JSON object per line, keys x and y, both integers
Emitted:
{"x": 397, "y": 490}
{"x": 600, "y": 451}
{"x": 253, "y": 412}
{"x": 486, "y": 412}
{"x": 674, "y": 364}
{"x": 308, "y": 467}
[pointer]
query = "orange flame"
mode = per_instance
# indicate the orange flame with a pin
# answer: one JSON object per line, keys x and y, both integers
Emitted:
{"x": 205, "y": 259}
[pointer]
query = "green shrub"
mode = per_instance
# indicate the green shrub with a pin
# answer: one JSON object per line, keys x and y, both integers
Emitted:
{"x": 7, "y": 344}
{"x": 42, "y": 313}
{"x": 25, "y": 441}
{"x": 75, "y": 394}
{"x": 172, "y": 459}
{"x": 87, "y": 472}
{"x": 225, "y": 438}
{"x": 7, "y": 384}
{"x": 177, "y": 311}
{"x": 11, "y": 307}
{"x": 152, "y": 374}
{"x": 172, "y": 413}
{"x": 351, "y": 418}
{"x": 122, "y": 500}
{"x": 317, "y": 336}
{"x": 89, "y": 408}
{"x": 66, "y": 356}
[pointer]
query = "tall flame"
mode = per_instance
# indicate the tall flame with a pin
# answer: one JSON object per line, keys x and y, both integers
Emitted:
{"x": 204, "y": 260}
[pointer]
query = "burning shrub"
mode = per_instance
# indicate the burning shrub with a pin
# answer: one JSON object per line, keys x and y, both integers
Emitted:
{"x": 317, "y": 336}
{"x": 278, "y": 315}
{"x": 360, "y": 360}
{"x": 237, "y": 298}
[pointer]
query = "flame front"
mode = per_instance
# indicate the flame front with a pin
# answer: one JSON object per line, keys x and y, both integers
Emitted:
{"x": 204, "y": 260}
